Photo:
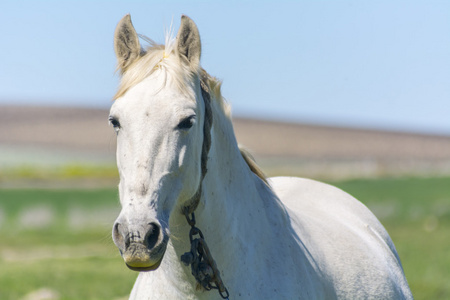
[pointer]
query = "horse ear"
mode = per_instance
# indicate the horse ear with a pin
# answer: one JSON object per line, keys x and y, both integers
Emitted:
{"x": 126, "y": 43}
{"x": 188, "y": 41}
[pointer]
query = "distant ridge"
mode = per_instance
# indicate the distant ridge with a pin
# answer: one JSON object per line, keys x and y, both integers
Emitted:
{"x": 286, "y": 148}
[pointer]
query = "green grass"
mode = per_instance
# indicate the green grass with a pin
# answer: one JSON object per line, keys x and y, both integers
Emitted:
{"x": 78, "y": 261}
{"x": 65, "y": 171}
{"x": 73, "y": 278}
{"x": 81, "y": 262}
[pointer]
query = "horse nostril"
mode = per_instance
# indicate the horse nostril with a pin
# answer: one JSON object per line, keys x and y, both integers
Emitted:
{"x": 118, "y": 237}
{"x": 152, "y": 235}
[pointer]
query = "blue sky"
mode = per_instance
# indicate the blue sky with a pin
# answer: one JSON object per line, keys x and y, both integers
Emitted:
{"x": 379, "y": 64}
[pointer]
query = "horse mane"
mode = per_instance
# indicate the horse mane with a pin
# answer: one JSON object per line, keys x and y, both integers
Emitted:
{"x": 157, "y": 56}
{"x": 214, "y": 86}
{"x": 248, "y": 157}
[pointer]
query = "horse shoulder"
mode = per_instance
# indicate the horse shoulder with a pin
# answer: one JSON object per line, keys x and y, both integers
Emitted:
{"x": 351, "y": 249}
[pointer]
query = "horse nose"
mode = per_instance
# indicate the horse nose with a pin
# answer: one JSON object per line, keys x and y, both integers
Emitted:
{"x": 126, "y": 234}
{"x": 142, "y": 244}
{"x": 152, "y": 236}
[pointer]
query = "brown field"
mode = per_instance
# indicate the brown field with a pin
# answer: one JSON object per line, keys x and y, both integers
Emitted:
{"x": 54, "y": 136}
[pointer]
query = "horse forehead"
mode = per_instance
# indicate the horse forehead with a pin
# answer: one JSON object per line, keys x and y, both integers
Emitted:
{"x": 149, "y": 103}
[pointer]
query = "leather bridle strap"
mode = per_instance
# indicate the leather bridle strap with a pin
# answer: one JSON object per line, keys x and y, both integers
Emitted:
{"x": 194, "y": 201}
{"x": 199, "y": 257}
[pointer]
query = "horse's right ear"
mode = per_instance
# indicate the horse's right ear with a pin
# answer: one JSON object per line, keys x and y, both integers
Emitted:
{"x": 126, "y": 43}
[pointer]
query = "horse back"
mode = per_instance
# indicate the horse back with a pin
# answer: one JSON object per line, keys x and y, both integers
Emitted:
{"x": 346, "y": 244}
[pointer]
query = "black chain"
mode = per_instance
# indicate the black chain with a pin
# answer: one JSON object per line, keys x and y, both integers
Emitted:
{"x": 203, "y": 266}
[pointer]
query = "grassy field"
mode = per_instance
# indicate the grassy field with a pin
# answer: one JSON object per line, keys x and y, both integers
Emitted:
{"x": 57, "y": 241}
{"x": 60, "y": 240}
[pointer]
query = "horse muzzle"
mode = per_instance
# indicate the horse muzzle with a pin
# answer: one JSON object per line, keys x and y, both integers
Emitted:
{"x": 138, "y": 257}
{"x": 142, "y": 247}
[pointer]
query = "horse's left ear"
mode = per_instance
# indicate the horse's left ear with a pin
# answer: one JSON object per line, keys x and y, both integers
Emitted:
{"x": 188, "y": 42}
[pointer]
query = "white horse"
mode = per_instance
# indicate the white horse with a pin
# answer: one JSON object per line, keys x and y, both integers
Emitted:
{"x": 280, "y": 238}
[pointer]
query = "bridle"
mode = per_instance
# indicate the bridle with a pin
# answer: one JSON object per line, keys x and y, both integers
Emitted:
{"x": 194, "y": 201}
{"x": 203, "y": 266}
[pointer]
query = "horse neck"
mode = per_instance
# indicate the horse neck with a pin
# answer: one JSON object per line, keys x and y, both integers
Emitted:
{"x": 236, "y": 204}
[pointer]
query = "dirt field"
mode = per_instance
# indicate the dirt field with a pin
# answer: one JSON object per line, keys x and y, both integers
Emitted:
{"x": 49, "y": 135}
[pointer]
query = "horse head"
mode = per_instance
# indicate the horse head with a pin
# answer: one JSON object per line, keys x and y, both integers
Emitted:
{"x": 159, "y": 118}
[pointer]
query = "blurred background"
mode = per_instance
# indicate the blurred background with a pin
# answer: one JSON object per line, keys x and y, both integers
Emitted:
{"x": 354, "y": 93}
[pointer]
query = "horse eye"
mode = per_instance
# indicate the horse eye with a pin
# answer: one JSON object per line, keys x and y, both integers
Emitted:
{"x": 186, "y": 123}
{"x": 115, "y": 123}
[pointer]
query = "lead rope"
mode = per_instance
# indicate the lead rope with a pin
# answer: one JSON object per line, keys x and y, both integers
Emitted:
{"x": 203, "y": 266}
